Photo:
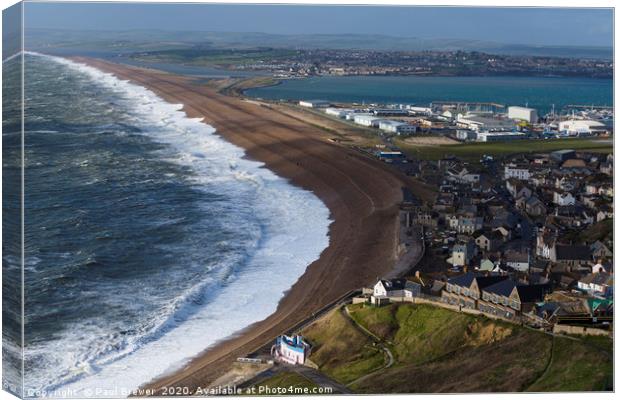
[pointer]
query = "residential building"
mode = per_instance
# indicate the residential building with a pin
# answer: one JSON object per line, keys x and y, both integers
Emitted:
{"x": 396, "y": 288}
{"x": 489, "y": 241}
{"x": 600, "y": 251}
{"x": 487, "y": 265}
{"x": 563, "y": 198}
{"x": 535, "y": 207}
{"x": 597, "y": 284}
{"x": 516, "y": 172}
{"x": 469, "y": 225}
{"x": 518, "y": 260}
{"x": 507, "y": 299}
{"x": 462, "y": 253}
{"x": 291, "y": 349}
{"x": 569, "y": 254}
{"x": 545, "y": 242}
{"x": 465, "y": 290}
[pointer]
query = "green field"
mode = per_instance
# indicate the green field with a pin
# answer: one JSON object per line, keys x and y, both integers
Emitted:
{"x": 441, "y": 351}
{"x": 473, "y": 151}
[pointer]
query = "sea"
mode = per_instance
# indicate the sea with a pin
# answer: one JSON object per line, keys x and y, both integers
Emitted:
{"x": 542, "y": 93}
{"x": 148, "y": 238}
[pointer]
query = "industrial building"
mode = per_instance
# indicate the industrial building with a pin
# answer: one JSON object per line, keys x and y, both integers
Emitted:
{"x": 529, "y": 115}
{"x": 479, "y": 124}
{"x": 314, "y": 103}
{"x": 397, "y": 127}
{"x": 390, "y": 112}
{"x": 465, "y": 134}
{"x": 500, "y": 136}
{"x": 338, "y": 112}
{"x": 367, "y": 120}
{"x": 420, "y": 110}
{"x": 576, "y": 127}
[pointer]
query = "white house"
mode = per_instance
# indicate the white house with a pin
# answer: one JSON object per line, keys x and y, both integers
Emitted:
{"x": 563, "y": 199}
{"x": 290, "y": 349}
{"x": 463, "y": 176}
{"x": 396, "y": 288}
{"x": 469, "y": 225}
{"x": 518, "y": 260}
{"x": 513, "y": 171}
{"x": 545, "y": 244}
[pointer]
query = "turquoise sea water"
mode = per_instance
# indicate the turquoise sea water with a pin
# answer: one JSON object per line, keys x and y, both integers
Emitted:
{"x": 539, "y": 93}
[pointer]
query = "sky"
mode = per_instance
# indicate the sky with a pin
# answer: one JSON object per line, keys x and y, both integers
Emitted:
{"x": 530, "y": 26}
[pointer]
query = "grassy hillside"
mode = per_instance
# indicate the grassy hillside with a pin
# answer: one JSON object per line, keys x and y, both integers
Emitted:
{"x": 473, "y": 151}
{"x": 286, "y": 380}
{"x": 341, "y": 351}
{"x": 439, "y": 351}
{"x": 575, "y": 366}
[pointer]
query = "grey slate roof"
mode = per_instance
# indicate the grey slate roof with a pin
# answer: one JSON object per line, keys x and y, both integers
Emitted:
{"x": 464, "y": 280}
{"x": 501, "y": 288}
{"x": 572, "y": 252}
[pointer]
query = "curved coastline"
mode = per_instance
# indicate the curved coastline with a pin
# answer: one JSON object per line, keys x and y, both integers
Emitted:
{"x": 362, "y": 195}
{"x": 275, "y": 254}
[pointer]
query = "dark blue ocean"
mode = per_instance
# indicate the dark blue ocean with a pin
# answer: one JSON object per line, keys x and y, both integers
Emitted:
{"x": 539, "y": 93}
{"x": 147, "y": 237}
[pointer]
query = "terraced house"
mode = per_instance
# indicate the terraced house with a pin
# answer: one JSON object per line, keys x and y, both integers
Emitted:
{"x": 507, "y": 298}
{"x": 465, "y": 290}
{"x": 496, "y": 295}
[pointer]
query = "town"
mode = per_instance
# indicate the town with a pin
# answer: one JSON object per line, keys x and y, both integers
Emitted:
{"x": 523, "y": 239}
{"x": 294, "y": 63}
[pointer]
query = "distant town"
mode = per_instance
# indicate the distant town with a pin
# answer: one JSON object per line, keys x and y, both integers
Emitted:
{"x": 310, "y": 62}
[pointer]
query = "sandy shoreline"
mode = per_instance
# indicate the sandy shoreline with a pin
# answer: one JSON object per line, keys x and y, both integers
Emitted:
{"x": 362, "y": 195}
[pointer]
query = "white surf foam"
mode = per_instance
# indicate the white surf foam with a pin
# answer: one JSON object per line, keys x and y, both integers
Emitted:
{"x": 295, "y": 234}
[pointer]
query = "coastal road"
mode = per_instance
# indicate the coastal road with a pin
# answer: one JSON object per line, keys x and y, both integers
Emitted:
{"x": 361, "y": 193}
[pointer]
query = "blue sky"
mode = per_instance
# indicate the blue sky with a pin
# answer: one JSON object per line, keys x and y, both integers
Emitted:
{"x": 532, "y": 26}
